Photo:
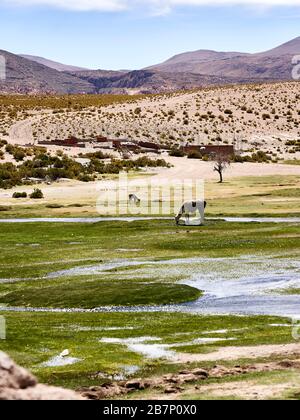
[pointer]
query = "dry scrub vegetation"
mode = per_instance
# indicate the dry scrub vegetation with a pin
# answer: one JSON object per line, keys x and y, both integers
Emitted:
{"x": 261, "y": 117}
{"x": 256, "y": 117}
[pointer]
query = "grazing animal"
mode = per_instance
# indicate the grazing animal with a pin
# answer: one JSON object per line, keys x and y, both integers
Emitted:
{"x": 191, "y": 207}
{"x": 134, "y": 199}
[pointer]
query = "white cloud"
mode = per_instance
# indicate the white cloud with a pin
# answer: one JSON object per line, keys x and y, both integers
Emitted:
{"x": 78, "y": 5}
{"x": 160, "y": 6}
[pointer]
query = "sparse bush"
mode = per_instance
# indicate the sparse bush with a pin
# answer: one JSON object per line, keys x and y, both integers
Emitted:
{"x": 37, "y": 194}
{"x": 54, "y": 206}
{"x": 19, "y": 155}
{"x": 19, "y": 195}
{"x": 194, "y": 155}
{"x": 3, "y": 143}
{"x": 176, "y": 152}
{"x": 266, "y": 116}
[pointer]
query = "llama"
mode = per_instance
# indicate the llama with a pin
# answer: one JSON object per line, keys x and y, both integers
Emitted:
{"x": 191, "y": 207}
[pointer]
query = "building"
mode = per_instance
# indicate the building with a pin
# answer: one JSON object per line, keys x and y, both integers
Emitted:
{"x": 102, "y": 139}
{"x": 149, "y": 145}
{"x": 70, "y": 142}
{"x": 211, "y": 150}
{"x": 125, "y": 145}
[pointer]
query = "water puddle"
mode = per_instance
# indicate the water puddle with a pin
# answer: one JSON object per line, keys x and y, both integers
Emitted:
{"x": 246, "y": 285}
{"x": 79, "y": 328}
{"x": 151, "y": 349}
{"x": 203, "y": 341}
{"x": 126, "y": 372}
{"x": 61, "y": 360}
{"x": 146, "y": 346}
{"x": 82, "y": 219}
{"x": 138, "y": 219}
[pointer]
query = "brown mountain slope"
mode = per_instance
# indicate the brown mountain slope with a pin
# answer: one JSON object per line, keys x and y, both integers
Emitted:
{"x": 275, "y": 64}
{"x": 25, "y": 76}
{"x": 251, "y": 68}
{"x": 149, "y": 81}
{"x": 184, "y": 71}
{"x": 192, "y": 61}
{"x": 289, "y": 48}
{"x": 52, "y": 64}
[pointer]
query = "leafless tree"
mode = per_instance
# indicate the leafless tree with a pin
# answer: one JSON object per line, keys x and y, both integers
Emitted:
{"x": 221, "y": 163}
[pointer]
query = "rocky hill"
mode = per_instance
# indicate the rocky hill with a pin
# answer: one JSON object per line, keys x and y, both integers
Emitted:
{"x": 275, "y": 64}
{"x": 52, "y": 64}
{"x": 182, "y": 72}
{"x": 26, "y": 76}
{"x": 149, "y": 81}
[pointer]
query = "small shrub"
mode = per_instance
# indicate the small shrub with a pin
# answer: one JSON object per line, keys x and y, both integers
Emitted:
{"x": 19, "y": 195}
{"x": 5, "y": 208}
{"x": 76, "y": 205}
{"x": 266, "y": 116}
{"x": 19, "y": 155}
{"x": 54, "y": 206}
{"x": 194, "y": 155}
{"x": 85, "y": 178}
{"x": 37, "y": 194}
{"x": 175, "y": 152}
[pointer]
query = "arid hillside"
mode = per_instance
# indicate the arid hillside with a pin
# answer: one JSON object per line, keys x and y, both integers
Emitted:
{"x": 275, "y": 64}
{"x": 202, "y": 68}
{"x": 24, "y": 76}
{"x": 254, "y": 117}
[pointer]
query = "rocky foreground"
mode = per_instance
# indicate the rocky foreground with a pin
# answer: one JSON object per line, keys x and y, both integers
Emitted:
{"x": 173, "y": 385}
{"x": 17, "y": 383}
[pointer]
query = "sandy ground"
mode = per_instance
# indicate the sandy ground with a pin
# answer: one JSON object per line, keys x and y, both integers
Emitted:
{"x": 236, "y": 353}
{"x": 194, "y": 170}
{"x": 272, "y": 380}
{"x": 248, "y": 390}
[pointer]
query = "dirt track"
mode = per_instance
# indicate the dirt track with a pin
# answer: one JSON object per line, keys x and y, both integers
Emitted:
{"x": 236, "y": 353}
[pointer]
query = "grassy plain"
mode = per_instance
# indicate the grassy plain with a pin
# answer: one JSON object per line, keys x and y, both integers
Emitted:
{"x": 245, "y": 196}
{"x": 33, "y": 339}
{"x": 33, "y": 251}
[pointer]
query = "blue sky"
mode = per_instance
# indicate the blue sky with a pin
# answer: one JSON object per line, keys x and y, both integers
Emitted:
{"x": 129, "y": 34}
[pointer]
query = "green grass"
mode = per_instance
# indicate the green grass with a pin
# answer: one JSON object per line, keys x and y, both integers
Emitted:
{"x": 289, "y": 291}
{"x": 255, "y": 196}
{"x": 245, "y": 196}
{"x": 292, "y": 162}
{"x": 93, "y": 294}
{"x": 33, "y": 251}
{"x": 33, "y": 338}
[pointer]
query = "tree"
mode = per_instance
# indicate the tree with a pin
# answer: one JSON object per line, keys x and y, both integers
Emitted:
{"x": 221, "y": 163}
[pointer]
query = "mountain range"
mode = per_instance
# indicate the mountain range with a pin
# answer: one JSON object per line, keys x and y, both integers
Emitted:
{"x": 52, "y": 64}
{"x": 33, "y": 75}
